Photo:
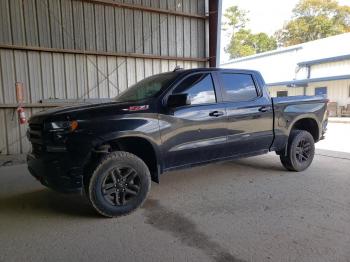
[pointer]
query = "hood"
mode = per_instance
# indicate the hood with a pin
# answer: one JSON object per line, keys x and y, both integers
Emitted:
{"x": 84, "y": 111}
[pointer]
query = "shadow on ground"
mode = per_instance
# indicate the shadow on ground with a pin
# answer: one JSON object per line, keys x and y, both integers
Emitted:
{"x": 184, "y": 229}
{"x": 46, "y": 202}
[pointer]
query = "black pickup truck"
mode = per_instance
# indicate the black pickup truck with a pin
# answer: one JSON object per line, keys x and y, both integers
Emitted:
{"x": 112, "y": 151}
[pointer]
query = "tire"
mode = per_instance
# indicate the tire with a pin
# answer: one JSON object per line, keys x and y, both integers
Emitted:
{"x": 300, "y": 151}
{"x": 119, "y": 184}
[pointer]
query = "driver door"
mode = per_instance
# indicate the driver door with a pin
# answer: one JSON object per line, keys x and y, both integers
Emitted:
{"x": 197, "y": 132}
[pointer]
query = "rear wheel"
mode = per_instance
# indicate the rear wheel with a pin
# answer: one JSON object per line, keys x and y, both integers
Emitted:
{"x": 119, "y": 184}
{"x": 300, "y": 151}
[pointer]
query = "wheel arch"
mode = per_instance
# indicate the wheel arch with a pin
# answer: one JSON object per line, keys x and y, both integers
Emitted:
{"x": 306, "y": 123}
{"x": 138, "y": 145}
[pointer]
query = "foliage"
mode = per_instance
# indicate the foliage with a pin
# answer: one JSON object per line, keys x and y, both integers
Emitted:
{"x": 314, "y": 19}
{"x": 243, "y": 41}
{"x": 236, "y": 18}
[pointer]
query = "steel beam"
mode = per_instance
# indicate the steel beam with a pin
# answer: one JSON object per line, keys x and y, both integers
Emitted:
{"x": 144, "y": 8}
{"x": 101, "y": 53}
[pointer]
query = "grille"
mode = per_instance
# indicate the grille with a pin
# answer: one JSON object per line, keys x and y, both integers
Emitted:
{"x": 35, "y": 131}
{"x": 35, "y": 134}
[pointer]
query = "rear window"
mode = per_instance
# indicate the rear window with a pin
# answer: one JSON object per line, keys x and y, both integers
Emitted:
{"x": 238, "y": 87}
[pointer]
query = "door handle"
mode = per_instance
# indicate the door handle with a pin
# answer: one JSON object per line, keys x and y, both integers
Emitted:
{"x": 264, "y": 109}
{"x": 216, "y": 113}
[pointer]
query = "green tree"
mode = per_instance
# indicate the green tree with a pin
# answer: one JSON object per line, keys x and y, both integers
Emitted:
{"x": 236, "y": 18}
{"x": 314, "y": 19}
{"x": 243, "y": 41}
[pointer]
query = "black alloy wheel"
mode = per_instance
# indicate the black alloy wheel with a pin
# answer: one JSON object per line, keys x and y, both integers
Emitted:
{"x": 303, "y": 151}
{"x": 121, "y": 185}
{"x": 300, "y": 151}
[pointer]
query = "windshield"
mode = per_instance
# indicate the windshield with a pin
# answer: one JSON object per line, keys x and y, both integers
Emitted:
{"x": 147, "y": 88}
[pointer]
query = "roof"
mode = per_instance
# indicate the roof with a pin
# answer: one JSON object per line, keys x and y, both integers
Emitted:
{"x": 303, "y": 82}
{"x": 273, "y": 52}
{"x": 312, "y": 51}
{"x": 213, "y": 69}
{"x": 324, "y": 60}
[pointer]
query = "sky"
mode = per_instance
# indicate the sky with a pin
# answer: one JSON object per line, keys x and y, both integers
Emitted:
{"x": 265, "y": 16}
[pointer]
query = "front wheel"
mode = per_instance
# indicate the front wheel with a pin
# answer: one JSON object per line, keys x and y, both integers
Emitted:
{"x": 300, "y": 151}
{"x": 119, "y": 184}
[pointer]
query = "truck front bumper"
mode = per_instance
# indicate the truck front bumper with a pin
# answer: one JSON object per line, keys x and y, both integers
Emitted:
{"x": 56, "y": 171}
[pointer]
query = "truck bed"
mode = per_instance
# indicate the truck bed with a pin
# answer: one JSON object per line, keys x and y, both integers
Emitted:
{"x": 289, "y": 110}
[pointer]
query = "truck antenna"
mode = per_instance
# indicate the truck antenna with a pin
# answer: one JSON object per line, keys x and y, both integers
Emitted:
{"x": 177, "y": 67}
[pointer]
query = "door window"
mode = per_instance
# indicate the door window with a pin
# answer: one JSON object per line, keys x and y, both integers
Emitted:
{"x": 238, "y": 87}
{"x": 199, "y": 87}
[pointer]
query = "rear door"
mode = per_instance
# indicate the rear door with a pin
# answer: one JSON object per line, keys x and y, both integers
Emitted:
{"x": 197, "y": 132}
{"x": 249, "y": 113}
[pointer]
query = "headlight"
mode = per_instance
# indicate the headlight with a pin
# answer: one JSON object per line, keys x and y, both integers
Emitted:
{"x": 63, "y": 126}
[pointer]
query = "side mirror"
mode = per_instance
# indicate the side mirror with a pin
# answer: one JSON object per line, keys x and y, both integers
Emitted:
{"x": 177, "y": 100}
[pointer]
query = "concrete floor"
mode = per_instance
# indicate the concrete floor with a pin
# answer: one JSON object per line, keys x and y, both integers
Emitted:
{"x": 337, "y": 138}
{"x": 244, "y": 210}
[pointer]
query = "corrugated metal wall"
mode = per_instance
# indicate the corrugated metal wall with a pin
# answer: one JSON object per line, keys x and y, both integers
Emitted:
{"x": 76, "y": 49}
{"x": 292, "y": 91}
{"x": 330, "y": 69}
{"x": 337, "y": 90}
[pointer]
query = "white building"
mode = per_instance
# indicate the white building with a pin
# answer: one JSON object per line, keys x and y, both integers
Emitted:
{"x": 316, "y": 67}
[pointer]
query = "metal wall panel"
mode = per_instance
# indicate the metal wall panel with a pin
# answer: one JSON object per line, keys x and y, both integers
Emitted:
{"x": 89, "y": 22}
{"x": 179, "y": 23}
{"x": 30, "y": 22}
{"x": 92, "y": 91}
{"x": 129, "y": 29}
{"x": 120, "y": 29}
{"x": 188, "y": 31}
{"x": 112, "y": 76}
{"x": 122, "y": 77}
{"x": 102, "y": 77}
{"x": 17, "y": 23}
{"x": 155, "y": 29}
{"x": 78, "y": 24}
{"x": 164, "y": 49}
{"x": 59, "y": 76}
{"x": 5, "y": 24}
{"x": 110, "y": 29}
{"x": 147, "y": 30}
{"x": 138, "y": 28}
{"x": 43, "y": 22}
{"x": 35, "y": 85}
{"x": 81, "y": 71}
{"x": 140, "y": 69}
{"x": 71, "y": 76}
{"x": 55, "y": 20}
{"x": 67, "y": 24}
{"x": 47, "y": 76}
{"x": 100, "y": 27}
